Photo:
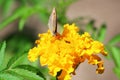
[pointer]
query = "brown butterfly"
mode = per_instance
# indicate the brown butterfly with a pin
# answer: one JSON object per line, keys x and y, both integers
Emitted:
{"x": 52, "y": 23}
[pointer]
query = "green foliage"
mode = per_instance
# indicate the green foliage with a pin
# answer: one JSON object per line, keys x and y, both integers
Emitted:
{"x": 31, "y": 7}
{"x": 114, "y": 50}
{"x": 16, "y": 60}
{"x": 30, "y": 68}
{"x": 21, "y": 40}
{"x": 18, "y": 67}
{"x": 90, "y": 26}
{"x": 101, "y": 33}
{"x": 9, "y": 76}
{"x": 6, "y": 6}
{"x": 115, "y": 40}
{"x": 2, "y": 52}
{"x": 116, "y": 55}
{"x": 117, "y": 72}
{"x": 27, "y": 74}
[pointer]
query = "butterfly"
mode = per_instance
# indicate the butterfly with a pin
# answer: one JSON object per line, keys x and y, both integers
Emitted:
{"x": 52, "y": 23}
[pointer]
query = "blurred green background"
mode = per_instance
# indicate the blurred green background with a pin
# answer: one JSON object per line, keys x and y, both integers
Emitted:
{"x": 22, "y": 20}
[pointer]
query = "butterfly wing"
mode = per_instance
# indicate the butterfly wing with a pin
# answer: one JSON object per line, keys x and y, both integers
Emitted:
{"x": 52, "y": 23}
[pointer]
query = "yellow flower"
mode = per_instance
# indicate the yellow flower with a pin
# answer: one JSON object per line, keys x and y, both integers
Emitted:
{"x": 64, "y": 52}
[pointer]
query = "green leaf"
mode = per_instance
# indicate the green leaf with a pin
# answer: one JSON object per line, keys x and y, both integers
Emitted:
{"x": 23, "y": 2}
{"x": 22, "y": 23}
{"x": 35, "y": 1}
{"x": 92, "y": 29}
{"x": 21, "y": 12}
{"x": 17, "y": 60}
{"x": 117, "y": 72}
{"x": 31, "y": 68}
{"x": 45, "y": 72}
{"x": 28, "y": 75}
{"x": 25, "y": 16}
{"x": 90, "y": 25}
{"x": 2, "y": 52}
{"x": 41, "y": 71}
{"x": 101, "y": 33}
{"x": 23, "y": 39}
{"x": 116, "y": 55}
{"x": 94, "y": 33}
{"x": 44, "y": 16}
{"x": 1, "y": 2}
{"x": 9, "y": 76}
{"x": 114, "y": 40}
{"x": 7, "y": 6}
{"x": 18, "y": 13}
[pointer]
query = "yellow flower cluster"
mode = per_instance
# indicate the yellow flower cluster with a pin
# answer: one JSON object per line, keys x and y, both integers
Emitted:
{"x": 64, "y": 52}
